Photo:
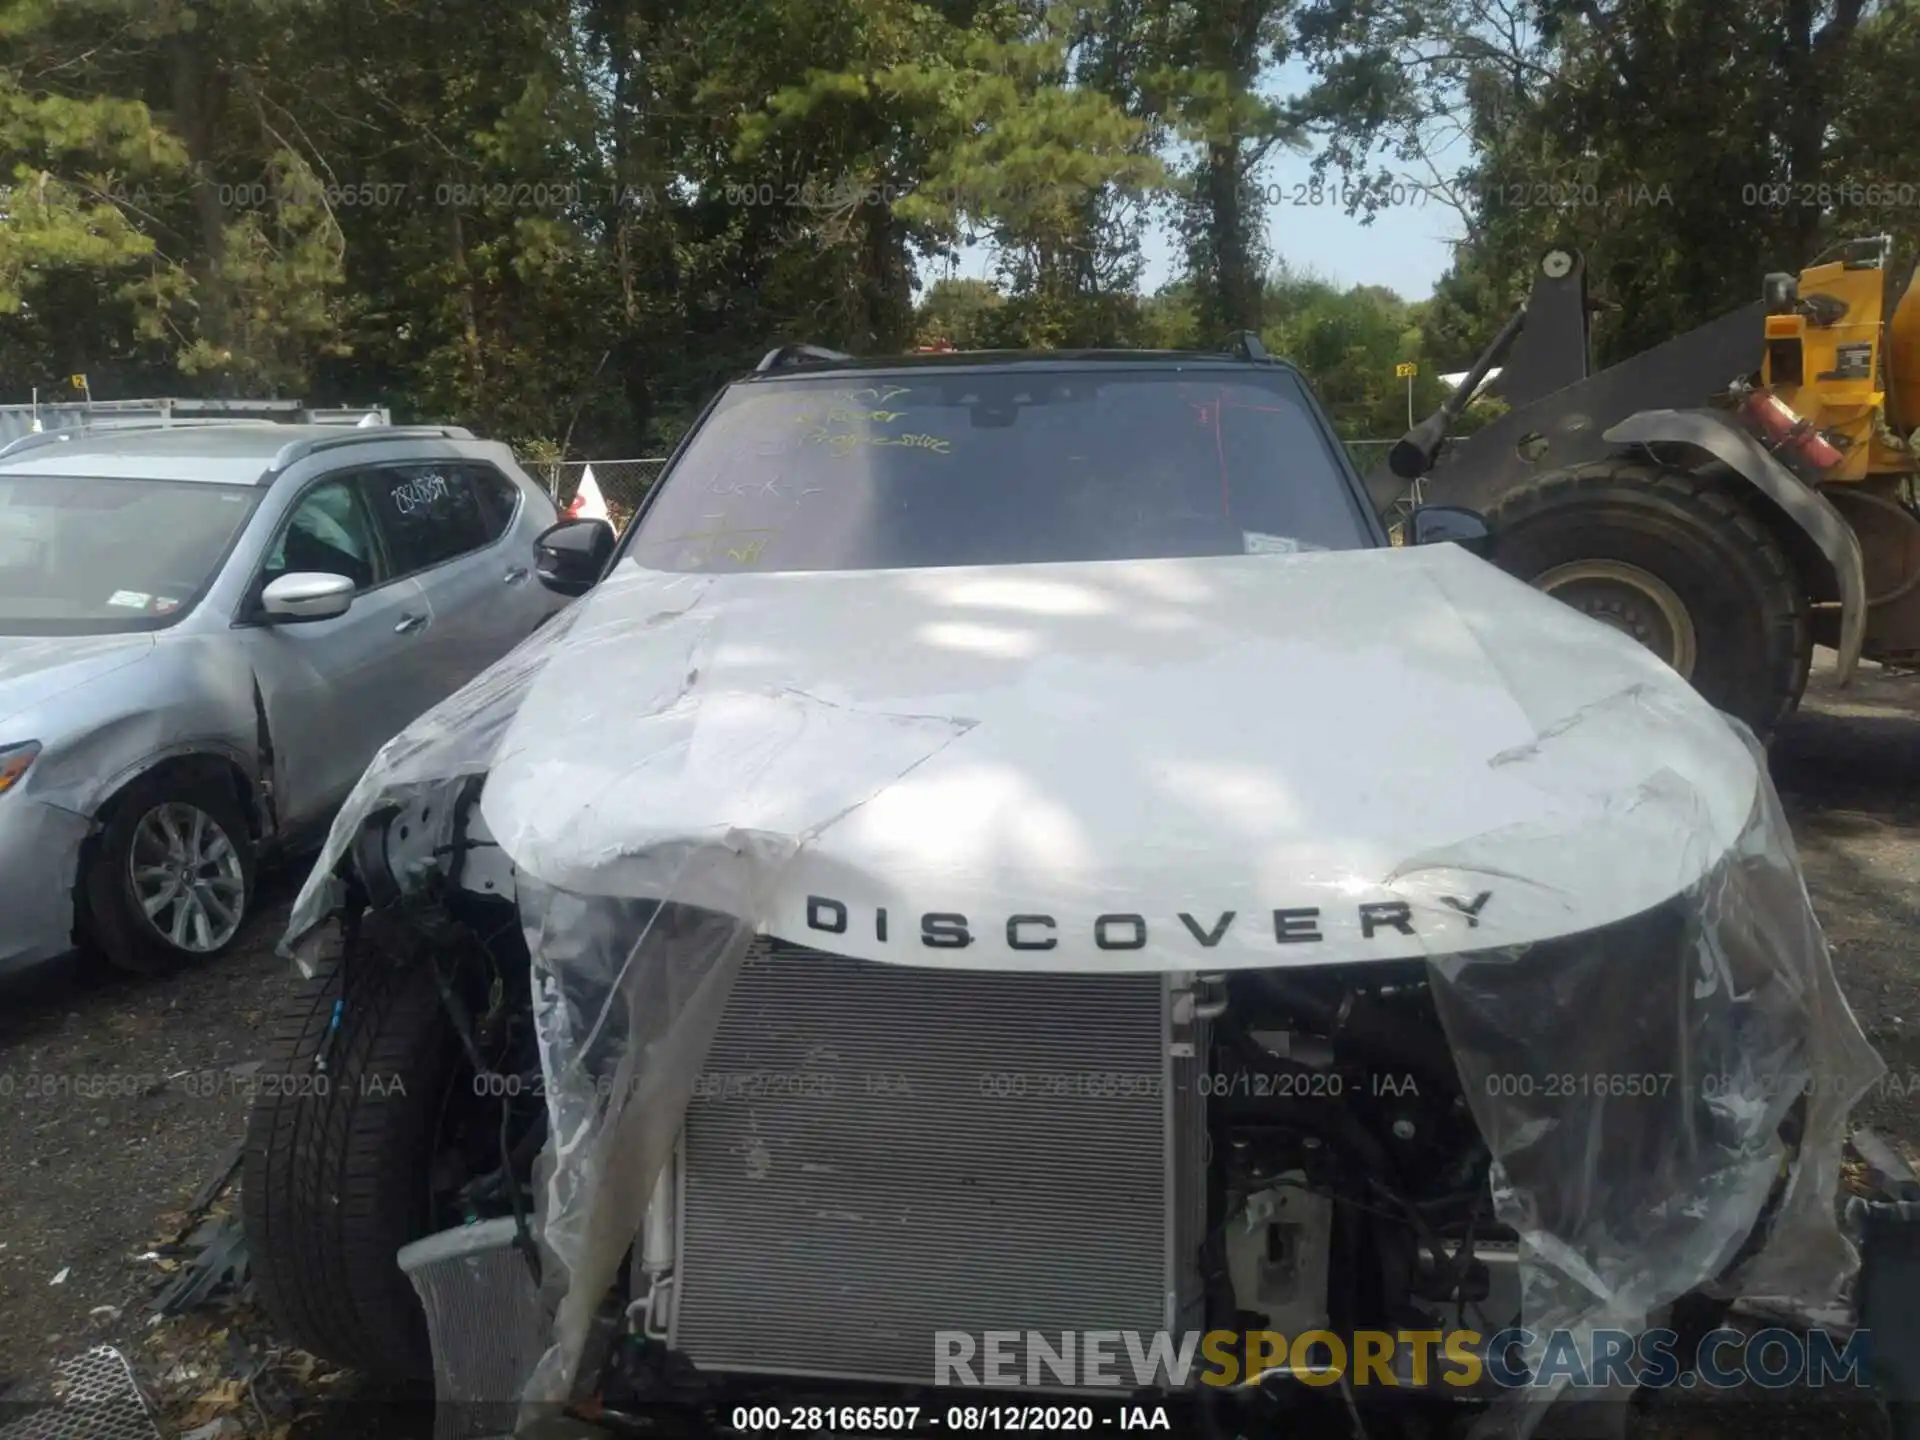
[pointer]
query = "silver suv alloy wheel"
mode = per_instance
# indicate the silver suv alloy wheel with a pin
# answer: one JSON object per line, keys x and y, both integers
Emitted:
{"x": 187, "y": 877}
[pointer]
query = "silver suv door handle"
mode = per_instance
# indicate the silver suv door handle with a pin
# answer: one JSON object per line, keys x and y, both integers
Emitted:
{"x": 409, "y": 623}
{"x": 515, "y": 575}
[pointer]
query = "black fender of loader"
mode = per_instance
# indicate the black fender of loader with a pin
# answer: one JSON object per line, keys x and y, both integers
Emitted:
{"x": 1722, "y": 438}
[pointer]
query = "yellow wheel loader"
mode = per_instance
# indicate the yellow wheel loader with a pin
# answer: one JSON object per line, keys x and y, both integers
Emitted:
{"x": 1731, "y": 498}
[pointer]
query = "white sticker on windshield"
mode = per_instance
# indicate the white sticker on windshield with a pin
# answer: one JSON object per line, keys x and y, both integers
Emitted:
{"x": 164, "y": 604}
{"x": 130, "y": 599}
{"x": 1258, "y": 544}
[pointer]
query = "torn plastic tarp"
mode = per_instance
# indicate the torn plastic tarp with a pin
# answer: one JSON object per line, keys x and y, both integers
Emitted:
{"x": 730, "y": 744}
{"x": 1665, "y": 1100}
{"x": 457, "y": 738}
{"x": 628, "y": 991}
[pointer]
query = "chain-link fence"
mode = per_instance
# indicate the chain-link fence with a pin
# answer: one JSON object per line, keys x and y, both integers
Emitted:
{"x": 621, "y": 482}
{"x": 1366, "y": 454}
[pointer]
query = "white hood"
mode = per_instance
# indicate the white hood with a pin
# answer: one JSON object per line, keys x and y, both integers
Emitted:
{"x": 1359, "y": 755}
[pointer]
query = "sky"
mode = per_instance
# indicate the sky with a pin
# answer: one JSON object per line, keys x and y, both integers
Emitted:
{"x": 1406, "y": 247}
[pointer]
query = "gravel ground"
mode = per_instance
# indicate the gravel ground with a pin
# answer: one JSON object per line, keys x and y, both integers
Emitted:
{"x": 1848, "y": 772}
{"x": 117, "y": 1103}
{"x": 1849, "y": 775}
{"x": 120, "y": 1097}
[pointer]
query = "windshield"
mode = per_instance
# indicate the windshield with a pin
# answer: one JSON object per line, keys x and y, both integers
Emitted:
{"x": 84, "y": 555}
{"x": 995, "y": 467}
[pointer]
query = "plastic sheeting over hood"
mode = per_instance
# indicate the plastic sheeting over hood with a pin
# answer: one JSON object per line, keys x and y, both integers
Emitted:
{"x": 1218, "y": 740}
{"x": 1158, "y": 743}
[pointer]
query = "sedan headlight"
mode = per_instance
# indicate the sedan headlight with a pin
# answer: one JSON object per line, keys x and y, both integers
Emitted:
{"x": 14, "y": 760}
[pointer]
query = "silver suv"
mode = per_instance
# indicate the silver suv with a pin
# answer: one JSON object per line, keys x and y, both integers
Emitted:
{"x": 206, "y": 632}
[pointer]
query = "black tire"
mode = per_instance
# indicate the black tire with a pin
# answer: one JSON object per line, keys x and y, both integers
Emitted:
{"x": 114, "y": 919}
{"x": 1747, "y": 607}
{"x": 335, "y": 1176}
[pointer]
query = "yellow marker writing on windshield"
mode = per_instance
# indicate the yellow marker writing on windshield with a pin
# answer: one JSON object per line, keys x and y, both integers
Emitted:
{"x": 748, "y": 554}
{"x": 842, "y": 443}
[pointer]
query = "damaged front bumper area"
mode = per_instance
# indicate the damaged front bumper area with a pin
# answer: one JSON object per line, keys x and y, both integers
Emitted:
{"x": 40, "y": 846}
{"x": 770, "y": 1164}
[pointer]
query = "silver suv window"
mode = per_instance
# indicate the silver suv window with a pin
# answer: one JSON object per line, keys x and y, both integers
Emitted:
{"x": 429, "y": 514}
{"x": 329, "y": 533}
{"x": 84, "y": 554}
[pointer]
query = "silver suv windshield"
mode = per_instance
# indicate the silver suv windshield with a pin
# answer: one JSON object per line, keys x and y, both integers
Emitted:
{"x": 998, "y": 466}
{"x": 88, "y": 555}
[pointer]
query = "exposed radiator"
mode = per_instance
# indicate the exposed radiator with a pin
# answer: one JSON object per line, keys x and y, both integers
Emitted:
{"x": 485, "y": 1321}
{"x": 878, "y": 1152}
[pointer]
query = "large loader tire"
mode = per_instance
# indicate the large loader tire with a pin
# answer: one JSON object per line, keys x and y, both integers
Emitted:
{"x": 1678, "y": 562}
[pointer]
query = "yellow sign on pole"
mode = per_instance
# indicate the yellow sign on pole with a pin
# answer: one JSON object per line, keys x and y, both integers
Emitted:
{"x": 78, "y": 382}
{"x": 1405, "y": 370}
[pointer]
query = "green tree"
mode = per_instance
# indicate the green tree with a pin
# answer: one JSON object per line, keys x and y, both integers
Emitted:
{"x": 960, "y": 312}
{"x": 1035, "y": 151}
{"x": 1170, "y": 318}
{"x": 125, "y": 129}
{"x": 1658, "y": 135}
{"x": 1349, "y": 342}
{"x": 81, "y": 170}
{"x": 1213, "y": 57}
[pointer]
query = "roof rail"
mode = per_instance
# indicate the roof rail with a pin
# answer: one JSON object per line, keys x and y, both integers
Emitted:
{"x": 782, "y": 356}
{"x": 350, "y": 434}
{"x": 227, "y": 409}
{"x": 34, "y": 441}
{"x": 193, "y": 422}
{"x": 1246, "y": 346}
{"x": 81, "y": 417}
{"x": 295, "y": 412}
{"x": 295, "y": 450}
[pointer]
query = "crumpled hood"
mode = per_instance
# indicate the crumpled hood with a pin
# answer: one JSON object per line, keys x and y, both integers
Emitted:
{"x": 36, "y": 668}
{"x": 1162, "y": 764}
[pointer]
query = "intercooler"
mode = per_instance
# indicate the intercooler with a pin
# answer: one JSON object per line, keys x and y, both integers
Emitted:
{"x": 876, "y": 1153}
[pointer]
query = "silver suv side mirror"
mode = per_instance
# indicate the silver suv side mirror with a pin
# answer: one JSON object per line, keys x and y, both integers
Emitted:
{"x": 307, "y": 595}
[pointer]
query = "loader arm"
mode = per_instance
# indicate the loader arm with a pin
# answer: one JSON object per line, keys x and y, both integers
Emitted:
{"x": 1575, "y": 436}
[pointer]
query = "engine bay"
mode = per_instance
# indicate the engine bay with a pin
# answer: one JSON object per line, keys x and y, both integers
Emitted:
{"x": 742, "y": 1170}
{"x": 874, "y": 1157}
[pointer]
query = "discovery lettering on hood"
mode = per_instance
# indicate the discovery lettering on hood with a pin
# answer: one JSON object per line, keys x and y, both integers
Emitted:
{"x": 1128, "y": 930}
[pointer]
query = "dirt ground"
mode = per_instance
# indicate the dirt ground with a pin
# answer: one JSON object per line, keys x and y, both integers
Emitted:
{"x": 1848, "y": 772}
{"x": 120, "y": 1097}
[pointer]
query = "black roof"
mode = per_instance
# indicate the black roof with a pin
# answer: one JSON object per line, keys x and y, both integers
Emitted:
{"x": 1038, "y": 360}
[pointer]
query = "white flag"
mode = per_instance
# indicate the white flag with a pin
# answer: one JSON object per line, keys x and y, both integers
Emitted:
{"x": 588, "y": 502}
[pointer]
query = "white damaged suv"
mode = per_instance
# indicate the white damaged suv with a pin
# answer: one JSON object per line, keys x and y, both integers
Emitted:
{"x": 1005, "y": 843}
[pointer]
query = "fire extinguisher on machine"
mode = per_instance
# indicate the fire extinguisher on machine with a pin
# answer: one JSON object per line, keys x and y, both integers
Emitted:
{"x": 1787, "y": 431}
